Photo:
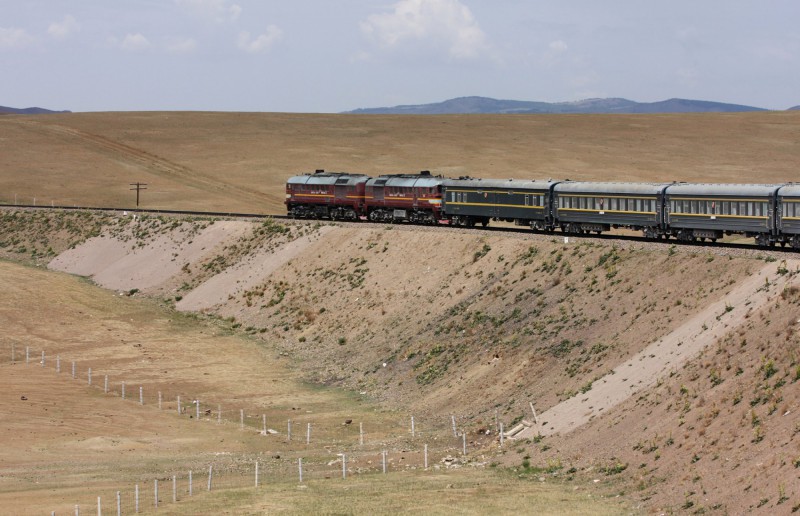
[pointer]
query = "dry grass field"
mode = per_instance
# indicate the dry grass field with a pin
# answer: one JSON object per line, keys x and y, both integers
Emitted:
{"x": 66, "y": 443}
{"x": 329, "y": 323}
{"x": 239, "y": 161}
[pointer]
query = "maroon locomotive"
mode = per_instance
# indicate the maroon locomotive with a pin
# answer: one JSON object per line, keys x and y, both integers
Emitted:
{"x": 328, "y": 195}
{"x": 416, "y": 198}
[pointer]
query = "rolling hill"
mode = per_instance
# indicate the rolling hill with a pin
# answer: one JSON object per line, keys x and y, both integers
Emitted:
{"x": 4, "y": 110}
{"x": 484, "y": 105}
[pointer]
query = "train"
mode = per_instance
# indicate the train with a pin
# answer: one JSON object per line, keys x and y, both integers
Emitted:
{"x": 687, "y": 212}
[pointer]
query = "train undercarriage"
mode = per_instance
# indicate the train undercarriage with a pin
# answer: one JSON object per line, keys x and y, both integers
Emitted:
{"x": 311, "y": 211}
{"x": 414, "y": 216}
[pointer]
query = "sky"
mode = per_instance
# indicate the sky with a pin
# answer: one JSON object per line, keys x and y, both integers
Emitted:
{"x": 328, "y": 56}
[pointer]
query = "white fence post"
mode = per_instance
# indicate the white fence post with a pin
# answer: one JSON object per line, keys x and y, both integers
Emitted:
{"x": 453, "y": 419}
{"x": 464, "y": 442}
{"x": 209, "y": 477}
{"x": 300, "y": 468}
{"x": 42, "y": 358}
{"x": 99, "y": 507}
{"x": 289, "y": 430}
{"x": 308, "y": 433}
{"x": 383, "y": 460}
{"x": 123, "y": 389}
{"x": 426, "y": 456}
{"x": 58, "y": 363}
{"x": 241, "y": 419}
{"x": 413, "y": 430}
{"x": 361, "y": 434}
{"x": 197, "y": 409}
{"x": 174, "y": 488}
{"x": 119, "y": 504}
{"x": 155, "y": 491}
{"x": 159, "y": 400}
{"x": 190, "y": 482}
{"x": 73, "y": 369}
{"x": 344, "y": 466}
{"x": 263, "y": 424}
{"x": 89, "y": 376}
{"x": 105, "y": 385}
{"x": 502, "y": 435}
{"x": 256, "y": 473}
{"x": 136, "y": 498}
{"x": 141, "y": 395}
{"x": 77, "y": 510}
{"x": 179, "y": 405}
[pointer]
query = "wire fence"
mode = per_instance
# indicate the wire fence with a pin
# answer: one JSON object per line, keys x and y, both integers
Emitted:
{"x": 309, "y": 450}
{"x": 149, "y": 494}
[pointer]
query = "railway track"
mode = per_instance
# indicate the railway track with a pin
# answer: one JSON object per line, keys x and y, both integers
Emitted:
{"x": 639, "y": 241}
{"x": 145, "y": 211}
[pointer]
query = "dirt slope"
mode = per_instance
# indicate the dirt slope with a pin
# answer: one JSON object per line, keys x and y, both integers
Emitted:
{"x": 454, "y": 323}
{"x": 669, "y": 353}
{"x": 482, "y": 324}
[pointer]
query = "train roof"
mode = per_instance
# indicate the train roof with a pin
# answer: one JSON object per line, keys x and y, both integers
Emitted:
{"x": 422, "y": 180}
{"x": 608, "y": 187}
{"x": 790, "y": 190}
{"x": 502, "y": 184}
{"x": 722, "y": 189}
{"x": 327, "y": 178}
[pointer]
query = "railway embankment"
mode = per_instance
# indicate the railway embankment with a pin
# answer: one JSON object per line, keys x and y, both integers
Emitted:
{"x": 676, "y": 367}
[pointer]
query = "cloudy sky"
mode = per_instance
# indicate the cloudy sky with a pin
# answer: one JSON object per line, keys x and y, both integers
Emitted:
{"x": 337, "y": 55}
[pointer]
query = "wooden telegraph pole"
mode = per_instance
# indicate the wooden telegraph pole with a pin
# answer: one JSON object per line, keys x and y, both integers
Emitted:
{"x": 138, "y": 187}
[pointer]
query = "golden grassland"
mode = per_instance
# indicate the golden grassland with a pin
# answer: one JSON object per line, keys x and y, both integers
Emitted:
{"x": 240, "y": 161}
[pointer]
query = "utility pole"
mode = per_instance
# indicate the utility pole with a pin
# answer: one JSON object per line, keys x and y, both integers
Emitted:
{"x": 138, "y": 187}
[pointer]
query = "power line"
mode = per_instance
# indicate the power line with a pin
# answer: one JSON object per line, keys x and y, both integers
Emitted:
{"x": 138, "y": 187}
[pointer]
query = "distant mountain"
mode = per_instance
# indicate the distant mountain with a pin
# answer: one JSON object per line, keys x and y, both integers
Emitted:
{"x": 27, "y": 111}
{"x": 470, "y": 105}
{"x": 795, "y": 108}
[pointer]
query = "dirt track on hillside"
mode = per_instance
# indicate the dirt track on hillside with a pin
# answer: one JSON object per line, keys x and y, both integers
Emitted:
{"x": 669, "y": 353}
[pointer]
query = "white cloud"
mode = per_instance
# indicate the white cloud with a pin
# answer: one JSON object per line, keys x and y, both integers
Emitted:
{"x": 181, "y": 46}
{"x": 135, "y": 42}
{"x": 14, "y": 38}
{"x": 261, "y": 43}
{"x": 60, "y": 30}
{"x": 446, "y": 25}
{"x": 554, "y": 54}
{"x": 215, "y": 10}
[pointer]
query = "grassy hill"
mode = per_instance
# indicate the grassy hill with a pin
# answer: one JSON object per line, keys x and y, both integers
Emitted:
{"x": 240, "y": 161}
{"x": 477, "y": 325}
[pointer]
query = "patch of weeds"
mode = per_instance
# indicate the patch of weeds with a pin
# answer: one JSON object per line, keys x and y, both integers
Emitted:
{"x": 769, "y": 369}
{"x": 614, "y": 469}
{"x": 481, "y": 253}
